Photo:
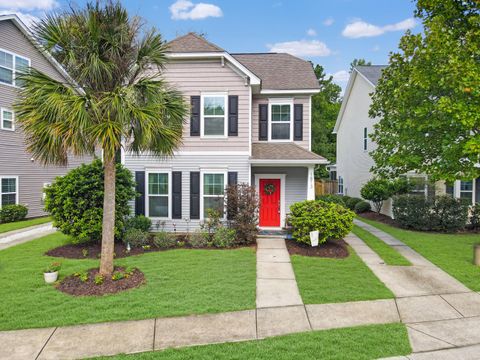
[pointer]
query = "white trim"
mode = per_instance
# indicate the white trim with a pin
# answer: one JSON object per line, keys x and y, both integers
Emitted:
{"x": 1, "y": 119}
{"x": 274, "y": 162}
{"x": 202, "y": 115}
{"x": 13, "y": 69}
{"x": 272, "y": 102}
{"x": 282, "y": 178}
{"x": 309, "y": 123}
{"x": 17, "y": 187}
{"x": 458, "y": 189}
{"x": 169, "y": 194}
{"x": 289, "y": 91}
{"x": 311, "y": 183}
{"x": 250, "y": 121}
{"x": 212, "y": 152}
{"x": 225, "y": 181}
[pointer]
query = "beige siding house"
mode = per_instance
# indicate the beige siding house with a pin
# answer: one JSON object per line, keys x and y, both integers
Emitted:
{"x": 249, "y": 123}
{"x": 22, "y": 177}
{"x": 354, "y": 145}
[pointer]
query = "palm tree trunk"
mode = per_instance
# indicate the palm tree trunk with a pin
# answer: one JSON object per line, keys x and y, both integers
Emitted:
{"x": 108, "y": 224}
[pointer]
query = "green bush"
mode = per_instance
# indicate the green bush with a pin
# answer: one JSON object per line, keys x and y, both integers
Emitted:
{"x": 140, "y": 222}
{"x": 224, "y": 237}
{"x": 449, "y": 214}
{"x": 362, "y": 206}
{"x": 474, "y": 219}
{"x": 377, "y": 191}
{"x": 351, "y": 202}
{"x": 199, "y": 239}
{"x": 135, "y": 237}
{"x": 75, "y": 201}
{"x": 164, "y": 240}
{"x": 333, "y": 221}
{"x": 336, "y": 199}
{"x": 11, "y": 213}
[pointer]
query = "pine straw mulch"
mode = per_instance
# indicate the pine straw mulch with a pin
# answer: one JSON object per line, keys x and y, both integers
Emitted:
{"x": 329, "y": 249}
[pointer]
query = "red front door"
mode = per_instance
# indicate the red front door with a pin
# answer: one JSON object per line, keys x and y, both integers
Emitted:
{"x": 269, "y": 202}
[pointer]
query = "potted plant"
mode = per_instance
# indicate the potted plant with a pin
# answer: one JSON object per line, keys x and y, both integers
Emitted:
{"x": 51, "y": 272}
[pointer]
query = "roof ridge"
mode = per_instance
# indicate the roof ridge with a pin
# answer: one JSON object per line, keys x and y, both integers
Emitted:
{"x": 198, "y": 37}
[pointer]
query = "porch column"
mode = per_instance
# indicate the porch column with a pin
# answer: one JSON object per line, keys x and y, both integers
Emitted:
{"x": 311, "y": 183}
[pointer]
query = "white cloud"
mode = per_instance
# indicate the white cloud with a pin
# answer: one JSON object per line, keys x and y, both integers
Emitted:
{"x": 306, "y": 48}
{"x": 28, "y": 4}
{"x": 360, "y": 28}
{"x": 341, "y": 76}
{"x": 328, "y": 21}
{"x": 311, "y": 32}
{"x": 187, "y": 10}
{"x": 27, "y": 19}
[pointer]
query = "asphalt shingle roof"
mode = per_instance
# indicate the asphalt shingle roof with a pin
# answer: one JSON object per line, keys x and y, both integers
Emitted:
{"x": 282, "y": 151}
{"x": 192, "y": 42}
{"x": 371, "y": 72}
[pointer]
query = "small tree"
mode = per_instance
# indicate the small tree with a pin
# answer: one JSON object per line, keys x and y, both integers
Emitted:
{"x": 377, "y": 191}
{"x": 242, "y": 212}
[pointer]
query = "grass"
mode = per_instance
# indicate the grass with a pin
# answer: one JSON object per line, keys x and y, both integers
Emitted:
{"x": 324, "y": 280}
{"x": 23, "y": 224}
{"x": 179, "y": 282}
{"x": 451, "y": 252}
{"x": 365, "y": 342}
{"x": 389, "y": 255}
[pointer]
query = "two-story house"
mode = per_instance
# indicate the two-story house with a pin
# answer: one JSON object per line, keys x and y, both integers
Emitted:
{"x": 22, "y": 177}
{"x": 249, "y": 122}
{"x": 354, "y": 145}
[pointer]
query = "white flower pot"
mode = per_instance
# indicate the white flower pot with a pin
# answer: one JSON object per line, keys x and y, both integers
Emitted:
{"x": 314, "y": 238}
{"x": 50, "y": 277}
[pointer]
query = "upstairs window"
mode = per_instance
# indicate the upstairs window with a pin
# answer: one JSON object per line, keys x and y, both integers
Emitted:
{"x": 214, "y": 108}
{"x": 8, "y": 191}
{"x": 281, "y": 122}
{"x": 7, "y": 120}
{"x": 10, "y": 66}
{"x": 365, "y": 139}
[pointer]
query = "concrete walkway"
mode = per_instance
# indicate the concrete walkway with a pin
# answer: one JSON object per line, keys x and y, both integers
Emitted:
{"x": 20, "y": 236}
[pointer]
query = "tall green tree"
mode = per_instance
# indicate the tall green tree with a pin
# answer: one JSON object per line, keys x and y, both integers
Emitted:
{"x": 428, "y": 98}
{"x": 120, "y": 100}
{"x": 359, "y": 62}
{"x": 325, "y": 108}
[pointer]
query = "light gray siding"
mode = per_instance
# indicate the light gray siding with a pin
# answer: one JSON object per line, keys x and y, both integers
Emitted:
{"x": 14, "y": 159}
{"x": 305, "y": 100}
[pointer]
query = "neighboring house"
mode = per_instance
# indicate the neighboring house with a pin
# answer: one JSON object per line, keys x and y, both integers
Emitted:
{"x": 22, "y": 178}
{"x": 354, "y": 145}
{"x": 249, "y": 122}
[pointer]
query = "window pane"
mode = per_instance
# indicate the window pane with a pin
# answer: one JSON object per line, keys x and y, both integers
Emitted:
{"x": 466, "y": 185}
{"x": 6, "y": 76}
{"x": 466, "y": 195}
{"x": 214, "y": 126}
{"x": 6, "y": 60}
{"x": 7, "y": 124}
{"x": 9, "y": 185}
{"x": 285, "y": 112}
{"x": 215, "y": 203}
{"x": 8, "y": 199}
{"x": 21, "y": 64}
{"x": 158, "y": 206}
{"x": 214, "y": 105}
{"x": 158, "y": 184}
{"x": 213, "y": 184}
{"x": 281, "y": 131}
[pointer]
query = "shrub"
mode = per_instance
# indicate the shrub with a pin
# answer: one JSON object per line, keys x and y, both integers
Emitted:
{"x": 351, "y": 202}
{"x": 99, "y": 279}
{"x": 362, "y": 206}
{"x": 449, "y": 214}
{"x": 412, "y": 211}
{"x": 140, "y": 222}
{"x": 212, "y": 222}
{"x": 474, "y": 219}
{"x": 135, "y": 237}
{"x": 242, "y": 212}
{"x": 199, "y": 239}
{"x": 75, "y": 201}
{"x": 11, "y": 213}
{"x": 164, "y": 240}
{"x": 224, "y": 237}
{"x": 333, "y": 221}
{"x": 377, "y": 191}
{"x": 336, "y": 199}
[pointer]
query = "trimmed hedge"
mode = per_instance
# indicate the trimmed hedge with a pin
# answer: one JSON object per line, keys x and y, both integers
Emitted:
{"x": 330, "y": 198}
{"x": 352, "y": 202}
{"x": 362, "y": 206}
{"x": 12, "y": 213}
{"x": 333, "y": 221}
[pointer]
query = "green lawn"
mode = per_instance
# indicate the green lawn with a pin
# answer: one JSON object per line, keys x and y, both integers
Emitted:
{"x": 451, "y": 252}
{"x": 179, "y": 282}
{"x": 365, "y": 342}
{"x": 389, "y": 255}
{"x": 324, "y": 280}
{"x": 23, "y": 224}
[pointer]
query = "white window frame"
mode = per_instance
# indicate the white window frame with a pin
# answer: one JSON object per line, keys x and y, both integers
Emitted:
{"x": 2, "y": 110}
{"x": 202, "y": 115}
{"x": 340, "y": 185}
{"x": 365, "y": 139}
{"x": 45, "y": 185}
{"x": 458, "y": 190}
{"x": 147, "y": 193}
{"x": 14, "y": 55}
{"x": 202, "y": 195}
{"x": 272, "y": 102}
{"x": 425, "y": 186}
{"x": 17, "y": 188}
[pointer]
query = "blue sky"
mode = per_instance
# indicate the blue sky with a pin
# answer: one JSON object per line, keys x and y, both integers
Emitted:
{"x": 328, "y": 32}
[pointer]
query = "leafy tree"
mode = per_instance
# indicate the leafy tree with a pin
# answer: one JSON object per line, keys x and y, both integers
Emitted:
{"x": 325, "y": 108}
{"x": 359, "y": 62}
{"x": 122, "y": 102}
{"x": 429, "y": 95}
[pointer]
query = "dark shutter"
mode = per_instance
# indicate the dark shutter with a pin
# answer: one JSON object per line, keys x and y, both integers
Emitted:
{"x": 232, "y": 177}
{"x": 232, "y": 206}
{"x": 140, "y": 189}
{"x": 176, "y": 195}
{"x": 477, "y": 190}
{"x": 263, "y": 122}
{"x": 195, "y": 116}
{"x": 298, "y": 122}
{"x": 449, "y": 188}
{"x": 233, "y": 115}
{"x": 195, "y": 195}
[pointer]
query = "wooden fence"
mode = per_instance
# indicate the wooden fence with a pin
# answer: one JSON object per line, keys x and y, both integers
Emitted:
{"x": 323, "y": 187}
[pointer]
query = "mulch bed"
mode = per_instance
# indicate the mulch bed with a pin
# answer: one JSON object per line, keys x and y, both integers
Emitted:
{"x": 330, "y": 249}
{"x": 74, "y": 286}
{"x": 371, "y": 215}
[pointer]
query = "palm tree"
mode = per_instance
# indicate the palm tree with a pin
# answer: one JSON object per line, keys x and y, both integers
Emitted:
{"x": 117, "y": 98}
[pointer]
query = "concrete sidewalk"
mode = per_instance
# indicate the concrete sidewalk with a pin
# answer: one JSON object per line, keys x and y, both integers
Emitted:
{"x": 20, "y": 236}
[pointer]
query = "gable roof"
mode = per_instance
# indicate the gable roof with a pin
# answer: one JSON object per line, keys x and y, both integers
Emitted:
{"x": 283, "y": 152}
{"x": 192, "y": 42}
{"x": 280, "y": 71}
{"x": 371, "y": 72}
